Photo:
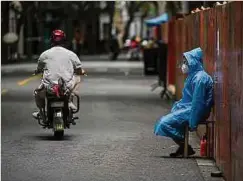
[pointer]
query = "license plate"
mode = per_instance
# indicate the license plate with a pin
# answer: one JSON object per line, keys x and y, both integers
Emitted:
{"x": 59, "y": 127}
{"x": 57, "y": 104}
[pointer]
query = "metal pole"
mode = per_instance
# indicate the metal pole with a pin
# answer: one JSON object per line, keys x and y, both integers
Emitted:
{"x": 186, "y": 141}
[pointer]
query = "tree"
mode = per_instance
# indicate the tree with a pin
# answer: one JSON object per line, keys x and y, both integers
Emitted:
{"x": 111, "y": 11}
{"x": 146, "y": 9}
{"x": 21, "y": 9}
{"x": 132, "y": 8}
{"x": 4, "y": 23}
{"x": 79, "y": 8}
{"x": 173, "y": 7}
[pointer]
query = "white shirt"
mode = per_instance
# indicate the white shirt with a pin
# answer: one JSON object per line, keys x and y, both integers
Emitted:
{"x": 58, "y": 62}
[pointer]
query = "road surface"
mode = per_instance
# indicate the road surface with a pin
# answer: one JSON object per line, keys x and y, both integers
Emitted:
{"x": 112, "y": 141}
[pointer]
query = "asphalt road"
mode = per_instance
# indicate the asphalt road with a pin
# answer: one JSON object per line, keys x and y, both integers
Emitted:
{"x": 112, "y": 141}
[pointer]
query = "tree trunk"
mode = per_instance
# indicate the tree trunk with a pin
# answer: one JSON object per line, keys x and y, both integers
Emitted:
{"x": 29, "y": 47}
{"x": 23, "y": 15}
{"x": 40, "y": 28}
{"x": 141, "y": 32}
{"x": 127, "y": 27}
{"x": 111, "y": 16}
{"x": 132, "y": 9}
{"x": 111, "y": 7}
{"x": 5, "y": 14}
{"x": 142, "y": 23}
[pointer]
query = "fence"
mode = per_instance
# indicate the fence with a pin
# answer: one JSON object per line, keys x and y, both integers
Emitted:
{"x": 219, "y": 32}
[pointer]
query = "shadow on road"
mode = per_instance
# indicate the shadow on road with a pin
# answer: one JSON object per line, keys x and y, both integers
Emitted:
{"x": 52, "y": 138}
{"x": 190, "y": 157}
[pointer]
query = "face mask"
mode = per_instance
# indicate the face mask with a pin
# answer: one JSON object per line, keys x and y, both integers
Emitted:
{"x": 185, "y": 69}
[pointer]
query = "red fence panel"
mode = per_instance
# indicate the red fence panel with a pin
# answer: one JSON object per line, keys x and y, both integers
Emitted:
{"x": 208, "y": 42}
{"x": 235, "y": 59}
{"x": 180, "y": 30}
{"x": 171, "y": 60}
{"x": 221, "y": 89}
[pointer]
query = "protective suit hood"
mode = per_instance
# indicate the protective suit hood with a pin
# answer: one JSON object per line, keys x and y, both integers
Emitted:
{"x": 194, "y": 58}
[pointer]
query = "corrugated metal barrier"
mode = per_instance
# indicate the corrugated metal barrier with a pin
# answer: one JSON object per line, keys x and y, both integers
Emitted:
{"x": 219, "y": 32}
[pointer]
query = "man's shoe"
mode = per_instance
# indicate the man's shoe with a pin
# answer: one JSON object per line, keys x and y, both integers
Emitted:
{"x": 72, "y": 106}
{"x": 190, "y": 151}
{"x": 36, "y": 115}
{"x": 180, "y": 151}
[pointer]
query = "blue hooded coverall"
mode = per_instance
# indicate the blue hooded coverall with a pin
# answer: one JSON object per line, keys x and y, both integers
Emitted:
{"x": 196, "y": 102}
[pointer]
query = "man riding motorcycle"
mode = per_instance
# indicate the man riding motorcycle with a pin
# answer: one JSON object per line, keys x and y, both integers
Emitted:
{"x": 57, "y": 62}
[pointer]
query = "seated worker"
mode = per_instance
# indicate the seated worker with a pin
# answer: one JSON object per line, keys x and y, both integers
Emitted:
{"x": 195, "y": 105}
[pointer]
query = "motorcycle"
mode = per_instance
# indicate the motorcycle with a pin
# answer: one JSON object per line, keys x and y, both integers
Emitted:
{"x": 57, "y": 115}
{"x": 133, "y": 48}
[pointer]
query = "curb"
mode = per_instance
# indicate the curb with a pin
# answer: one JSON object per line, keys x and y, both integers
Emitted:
{"x": 83, "y": 58}
{"x": 93, "y": 67}
{"x": 90, "y": 71}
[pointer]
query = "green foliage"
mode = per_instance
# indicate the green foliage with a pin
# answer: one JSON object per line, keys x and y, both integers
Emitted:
{"x": 146, "y": 9}
{"x": 173, "y": 7}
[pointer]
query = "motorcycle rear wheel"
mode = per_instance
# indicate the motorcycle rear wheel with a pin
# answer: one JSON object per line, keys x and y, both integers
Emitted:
{"x": 59, "y": 134}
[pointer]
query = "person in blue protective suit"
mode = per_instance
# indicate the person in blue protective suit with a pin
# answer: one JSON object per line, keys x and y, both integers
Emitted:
{"x": 195, "y": 105}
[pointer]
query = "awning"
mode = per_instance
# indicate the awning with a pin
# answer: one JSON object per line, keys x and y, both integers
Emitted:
{"x": 158, "y": 20}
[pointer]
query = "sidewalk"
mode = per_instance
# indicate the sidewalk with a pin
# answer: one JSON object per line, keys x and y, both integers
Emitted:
{"x": 101, "y": 57}
{"x": 92, "y": 67}
{"x": 206, "y": 166}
